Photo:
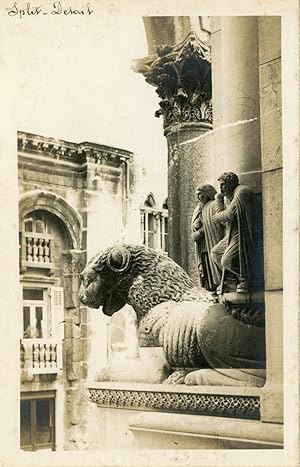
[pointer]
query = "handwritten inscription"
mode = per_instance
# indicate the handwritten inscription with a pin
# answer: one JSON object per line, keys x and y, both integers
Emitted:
{"x": 57, "y": 8}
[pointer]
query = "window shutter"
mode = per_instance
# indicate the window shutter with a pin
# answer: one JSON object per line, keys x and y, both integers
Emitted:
{"x": 20, "y": 323}
{"x": 57, "y": 312}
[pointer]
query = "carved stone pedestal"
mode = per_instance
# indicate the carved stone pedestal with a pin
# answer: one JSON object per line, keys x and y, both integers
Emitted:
{"x": 140, "y": 416}
{"x": 246, "y": 307}
{"x": 244, "y": 298}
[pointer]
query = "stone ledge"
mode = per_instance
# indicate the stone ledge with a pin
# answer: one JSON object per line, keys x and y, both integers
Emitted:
{"x": 171, "y": 388}
{"x": 199, "y": 431}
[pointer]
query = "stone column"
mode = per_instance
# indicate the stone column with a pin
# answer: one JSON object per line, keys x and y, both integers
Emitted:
{"x": 236, "y": 98}
{"x": 182, "y": 77}
{"x": 187, "y": 168}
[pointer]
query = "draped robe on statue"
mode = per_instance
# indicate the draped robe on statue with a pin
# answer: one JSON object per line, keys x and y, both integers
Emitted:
{"x": 240, "y": 250}
{"x": 208, "y": 235}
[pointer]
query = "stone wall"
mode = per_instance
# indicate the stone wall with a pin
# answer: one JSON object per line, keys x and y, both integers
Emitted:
{"x": 271, "y": 148}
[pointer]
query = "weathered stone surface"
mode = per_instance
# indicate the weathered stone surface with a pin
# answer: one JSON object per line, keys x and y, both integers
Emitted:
{"x": 188, "y": 167}
{"x": 77, "y": 438}
{"x": 220, "y": 378}
{"x": 269, "y": 28}
{"x": 270, "y": 103}
{"x": 216, "y": 24}
{"x": 272, "y": 209}
{"x": 84, "y": 370}
{"x": 85, "y": 348}
{"x": 74, "y": 371}
{"x": 67, "y": 327}
{"x": 68, "y": 293}
{"x": 85, "y": 330}
{"x": 217, "y": 161}
{"x": 272, "y": 393}
{"x": 84, "y": 316}
{"x": 153, "y": 430}
{"x": 76, "y": 350}
{"x": 236, "y": 141}
{"x": 76, "y": 330}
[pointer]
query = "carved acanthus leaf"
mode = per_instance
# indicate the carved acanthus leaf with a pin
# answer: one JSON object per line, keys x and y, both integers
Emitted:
{"x": 182, "y": 77}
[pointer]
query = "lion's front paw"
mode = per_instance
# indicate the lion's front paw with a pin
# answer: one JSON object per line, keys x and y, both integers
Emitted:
{"x": 177, "y": 377}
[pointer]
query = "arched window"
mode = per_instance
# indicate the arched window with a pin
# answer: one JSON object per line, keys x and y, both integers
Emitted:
{"x": 37, "y": 240}
{"x": 154, "y": 224}
{"x": 43, "y": 238}
{"x": 150, "y": 201}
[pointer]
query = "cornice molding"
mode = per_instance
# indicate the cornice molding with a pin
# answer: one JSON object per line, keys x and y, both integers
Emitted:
{"x": 79, "y": 153}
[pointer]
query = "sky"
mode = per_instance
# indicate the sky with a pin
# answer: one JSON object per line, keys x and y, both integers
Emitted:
{"x": 72, "y": 80}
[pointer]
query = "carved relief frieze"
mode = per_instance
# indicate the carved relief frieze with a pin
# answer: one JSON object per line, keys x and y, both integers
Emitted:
{"x": 205, "y": 404}
{"x": 182, "y": 77}
{"x": 73, "y": 262}
{"x": 48, "y": 146}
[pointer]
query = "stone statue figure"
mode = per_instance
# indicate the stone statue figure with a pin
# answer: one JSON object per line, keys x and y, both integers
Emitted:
{"x": 201, "y": 342}
{"x": 206, "y": 234}
{"x": 237, "y": 254}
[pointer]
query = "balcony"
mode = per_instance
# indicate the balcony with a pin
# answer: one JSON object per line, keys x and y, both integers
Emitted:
{"x": 41, "y": 356}
{"x": 36, "y": 251}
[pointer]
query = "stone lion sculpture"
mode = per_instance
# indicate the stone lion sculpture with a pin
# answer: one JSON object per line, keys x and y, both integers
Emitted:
{"x": 202, "y": 343}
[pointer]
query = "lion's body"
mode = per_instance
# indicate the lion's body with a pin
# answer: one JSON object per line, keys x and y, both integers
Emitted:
{"x": 174, "y": 327}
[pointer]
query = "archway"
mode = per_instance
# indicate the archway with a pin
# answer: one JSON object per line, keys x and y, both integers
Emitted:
{"x": 45, "y": 200}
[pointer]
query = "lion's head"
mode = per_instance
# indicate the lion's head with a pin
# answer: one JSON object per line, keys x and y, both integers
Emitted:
{"x": 133, "y": 274}
{"x": 100, "y": 280}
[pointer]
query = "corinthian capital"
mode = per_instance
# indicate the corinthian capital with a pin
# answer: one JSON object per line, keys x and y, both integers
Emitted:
{"x": 182, "y": 77}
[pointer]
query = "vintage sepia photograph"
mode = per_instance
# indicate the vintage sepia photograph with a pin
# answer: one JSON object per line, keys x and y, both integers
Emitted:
{"x": 152, "y": 195}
